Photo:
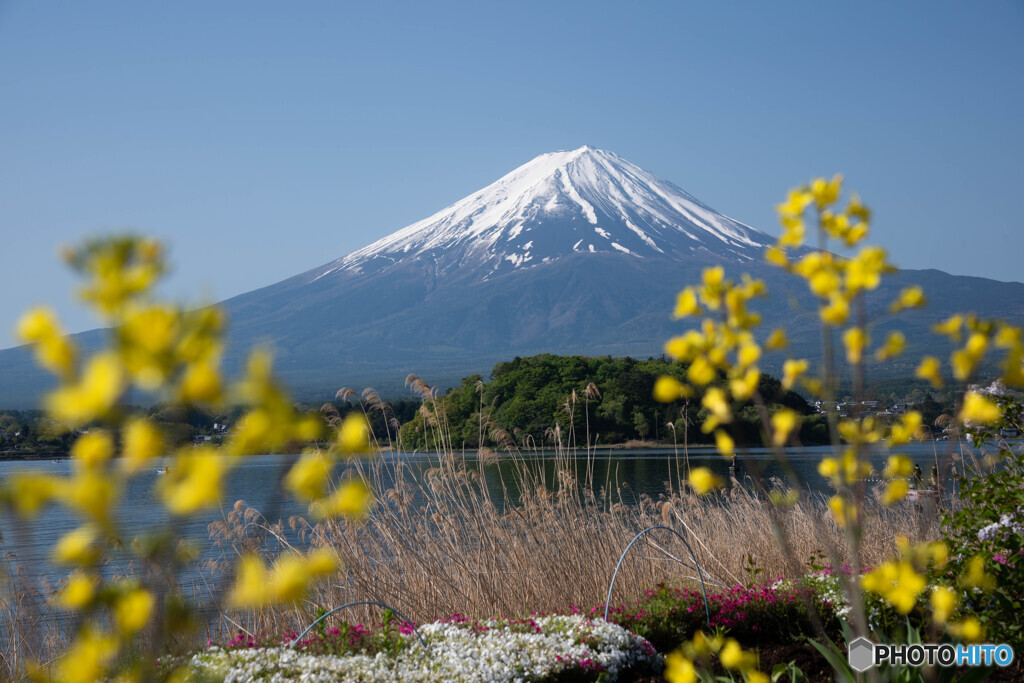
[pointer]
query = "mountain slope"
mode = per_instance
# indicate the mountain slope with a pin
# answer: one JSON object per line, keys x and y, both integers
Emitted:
{"x": 573, "y": 252}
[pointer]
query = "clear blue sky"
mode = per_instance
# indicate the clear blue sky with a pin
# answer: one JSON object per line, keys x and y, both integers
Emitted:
{"x": 261, "y": 139}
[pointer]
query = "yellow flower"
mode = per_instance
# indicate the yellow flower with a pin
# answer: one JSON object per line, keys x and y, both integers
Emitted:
{"x": 910, "y": 297}
{"x": 791, "y": 372}
{"x": 193, "y": 481}
{"x": 829, "y": 468}
{"x": 726, "y": 446}
{"x": 29, "y": 492}
{"x": 352, "y": 499}
{"x": 133, "y": 610}
{"x": 38, "y": 325}
{"x": 700, "y": 372}
{"x": 784, "y": 422}
{"x": 843, "y": 512}
{"x": 93, "y": 396}
{"x": 92, "y": 449}
{"x": 776, "y": 340}
{"x": 944, "y": 602}
{"x": 88, "y": 657}
{"x": 78, "y": 591}
{"x": 893, "y": 346}
{"x": 826, "y": 192}
{"x": 908, "y": 428}
{"x": 796, "y": 202}
{"x": 679, "y": 669}
{"x": 200, "y": 383}
{"x": 77, "y": 547}
{"x": 732, "y": 656}
{"x": 716, "y": 401}
{"x": 793, "y": 232}
{"x": 308, "y": 476}
{"x": 292, "y": 574}
{"x": 950, "y": 327}
{"x": 744, "y": 387}
{"x": 897, "y": 582}
{"x": 865, "y": 270}
{"x": 979, "y": 410}
{"x": 142, "y": 443}
{"x": 931, "y": 370}
{"x": 91, "y": 493}
{"x": 939, "y": 553}
{"x": 250, "y": 587}
{"x": 855, "y": 340}
{"x": 702, "y": 480}
{"x": 776, "y": 257}
{"x": 748, "y": 354}
{"x": 686, "y": 303}
{"x": 837, "y": 310}
{"x": 975, "y": 577}
{"x": 53, "y": 350}
{"x": 970, "y": 630}
{"x": 895, "y": 491}
{"x": 354, "y": 434}
{"x": 899, "y": 466}
{"x": 667, "y": 389}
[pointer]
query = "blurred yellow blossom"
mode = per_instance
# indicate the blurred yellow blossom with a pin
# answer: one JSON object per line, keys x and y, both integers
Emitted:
{"x": 667, "y": 389}
{"x": 77, "y": 547}
{"x": 686, "y": 303}
{"x": 703, "y": 480}
{"x": 142, "y": 443}
{"x": 725, "y": 444}
{"x": 978, "y": 409}
{"x": 855, "y": 339}
{"x": 931, "y": 370}
{"x": 307, "y": 478}
{"x": 92, "y": 449}
{"x": 679, "y": 669}
{"x": 975, "y": 576}
{"x": 354, "y": 433}
{"x": 776, "y": 340}
{"x": 969, "y": 629}
{"x": 133, "y": 609}
{"x": 93, "y": 395}
{"x": 351, "y": 499}
{"x": 893, "y": 346}
{"x": 910, "y": 297}
{"x": 944, "y": 603}
{"x": 897, "y": 582}
{"x": 791, "y": 372}
{"x": 78, "y": 591}
{"x": 784, "y": 423}
{"x": 87, "y": 658}
{"x": 193, "y": 481}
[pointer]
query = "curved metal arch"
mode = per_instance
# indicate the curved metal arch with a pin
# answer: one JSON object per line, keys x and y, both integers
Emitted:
{"x": 353, "y": 604}
{"x": 704, "y": 593}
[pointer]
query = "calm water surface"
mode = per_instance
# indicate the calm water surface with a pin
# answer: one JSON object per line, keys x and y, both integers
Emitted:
{"x": 625, "y": 473}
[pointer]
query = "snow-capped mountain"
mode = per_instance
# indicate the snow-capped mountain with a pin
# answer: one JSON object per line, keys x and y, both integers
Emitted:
{"x": 584, "y": 200}
{"x": 575, "y": 252}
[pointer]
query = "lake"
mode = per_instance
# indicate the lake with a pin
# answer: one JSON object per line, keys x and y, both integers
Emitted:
{"x": 625, "y": 474}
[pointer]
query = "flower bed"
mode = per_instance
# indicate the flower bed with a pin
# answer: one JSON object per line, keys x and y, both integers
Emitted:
{"x": 754, "y": 615}
{"x": 542, "y": 649}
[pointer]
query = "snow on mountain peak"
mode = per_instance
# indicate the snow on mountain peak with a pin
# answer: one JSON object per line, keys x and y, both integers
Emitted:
{"x": 583, "y": 200}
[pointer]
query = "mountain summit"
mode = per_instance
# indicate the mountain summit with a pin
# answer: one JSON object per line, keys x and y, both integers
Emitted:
{"x": 575, "y": 252}
{"x": 581, "y": 201}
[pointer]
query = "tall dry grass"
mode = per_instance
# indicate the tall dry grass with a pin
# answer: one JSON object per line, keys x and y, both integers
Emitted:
{"x": 441, "y": 544}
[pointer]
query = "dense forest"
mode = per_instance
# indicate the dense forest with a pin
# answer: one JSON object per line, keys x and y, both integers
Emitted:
{"x": 539, "y": 400}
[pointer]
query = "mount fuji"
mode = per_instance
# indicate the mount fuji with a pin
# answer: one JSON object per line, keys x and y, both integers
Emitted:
{"x": 575, "y": 252}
